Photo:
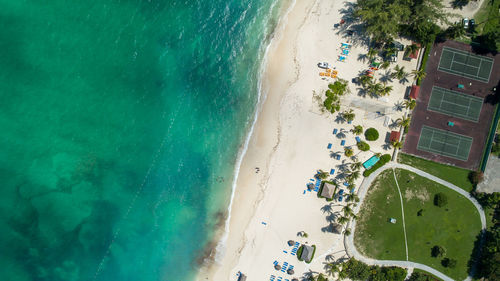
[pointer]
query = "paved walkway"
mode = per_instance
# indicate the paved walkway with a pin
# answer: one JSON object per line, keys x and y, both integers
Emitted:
{"x": 349, "y": 242}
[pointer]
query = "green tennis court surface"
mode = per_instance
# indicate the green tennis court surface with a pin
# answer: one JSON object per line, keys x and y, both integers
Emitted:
{"x": 455, "y": 104}
{"x": 465, "y": 64}
{"x": 444, "y": 143}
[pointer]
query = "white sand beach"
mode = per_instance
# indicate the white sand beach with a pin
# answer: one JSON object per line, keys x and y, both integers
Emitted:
{"x": 289, "y": 144}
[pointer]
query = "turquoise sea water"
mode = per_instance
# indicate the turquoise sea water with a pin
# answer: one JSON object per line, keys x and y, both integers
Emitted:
{"x": 121, "y": 122}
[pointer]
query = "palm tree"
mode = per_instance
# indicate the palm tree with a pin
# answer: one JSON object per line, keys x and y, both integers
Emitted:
{"x": 371, "y": 53}
{"x": 385, "y": 65}
{"x": 348, "y": 115}
{"x": 353, "y": 197}
{"x": 376, "y": 89}
{"x": 399, "y": 72}
{"x": 356, "y": 166}
{"x": 347, "y": 232}
{"x": 410, "y": 49}
{"x": 418, "y": 74}
{"x": 365, "y": 80}
{"x": 455, "y": 30}
{"x": 357, "y": 130}
{"x": 397, "y": 144}
{"x": 343, "y": 220}
{"x": 403, "y": 122}
{"x": 410, "y": 104}
{"x": 332, "y": 268}
{"x": 386, "y": 90}
{"x": 355, "y": 175}
{"x": 347, "y": 210}
{"x": 348, "y": 152}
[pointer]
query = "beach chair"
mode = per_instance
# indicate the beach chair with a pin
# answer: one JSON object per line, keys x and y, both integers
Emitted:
{"x": 338, "y": 156}
{"x": 332, "y": 171}
{"x": 341, "y": 192}
{"x": 346, "y": 183}
{"x": 358, "y": 139}
{"x": 329, "y": 146}
{"x": 333, "y": 75}
{"x": 341, "y": 59}
{"x": 342, "y": 142}
{"x": 335, "y": 72}
{"x": 340, "y": 198}
{"x": 345, "y": 52}
{"x": 328, "y": 70}
{"x": 335, "y": 131}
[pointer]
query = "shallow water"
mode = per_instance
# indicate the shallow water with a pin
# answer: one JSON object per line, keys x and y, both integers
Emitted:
{"x": 121, "y": 123}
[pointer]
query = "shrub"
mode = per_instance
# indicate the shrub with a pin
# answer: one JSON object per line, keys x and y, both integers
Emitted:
{"x": 447, "y": 262}
{"x": 440, "y": 199}
{"x": 420, "y": 276}
{"x": 371, "y": 134}
{"x": 420, "y": 212}
{"x": 383, "y": 160}
{"x": 363, "y": 146}
{"x": 299, "y": 252}
{"x": 475, "y": 177}
{"x": 438, "y": 252}
{"x": 348, "y": 152}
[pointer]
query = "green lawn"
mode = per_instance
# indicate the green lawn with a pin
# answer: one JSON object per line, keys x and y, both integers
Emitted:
{"x": 454, "y": 175}
{"x": 454, "y": 226}
{"x": 485, "y": 17}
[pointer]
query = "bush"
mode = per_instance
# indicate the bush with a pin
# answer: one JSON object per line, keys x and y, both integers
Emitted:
{"x": 440, "y": 199}
{"x": 356, "y": 270}
{"x": 371, "y": 134}
{"x": 383, "y": 160}
{"x": 438, "y": 252}
{"x": 363, "y": 146}
{"x": 425, "y": 57}
{"x": 447, "y": 262}
{"x": 420, "y": 276}
{"x": 475, "y": 177}
{"x": 299, "y": 252}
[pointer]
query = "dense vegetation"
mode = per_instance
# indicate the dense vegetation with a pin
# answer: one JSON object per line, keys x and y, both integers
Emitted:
{"x": 488, "y": 261}
{"x": 488, "y": 19}
{"x": 383, "y": 160}
{"x": 421, "y": 276}
{"x": 363, "y": 146}
{"x": 333, "y": 94}
{"x": 371, "y": 134}
{"x": 356, "y": 270}
{"x": 386, "y": 19}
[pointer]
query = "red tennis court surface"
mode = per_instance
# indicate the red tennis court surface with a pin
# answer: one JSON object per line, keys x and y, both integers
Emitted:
{"x": 478, "y": 131}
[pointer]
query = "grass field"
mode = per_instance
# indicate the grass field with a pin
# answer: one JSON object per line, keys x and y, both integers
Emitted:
{"x": 454, "y": 226}
{"x": 454, "y": 175}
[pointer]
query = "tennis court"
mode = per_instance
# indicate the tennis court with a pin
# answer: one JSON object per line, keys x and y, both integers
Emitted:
{"x": 465, "y": 64}
{"x": 444, "y": 143}
{"x": 455, "y": 104}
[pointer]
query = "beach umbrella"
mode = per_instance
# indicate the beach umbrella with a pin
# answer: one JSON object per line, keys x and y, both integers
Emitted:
{"x": 277, "y": 267}
{"x": 290, "y": 271}
{"x": 291, "y": 242}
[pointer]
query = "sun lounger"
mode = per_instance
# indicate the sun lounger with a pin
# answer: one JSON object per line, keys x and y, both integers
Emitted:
{"x": 335, "y": 131}
{"x": 346, "y": 184}
{"x": 340, "y": 198}
{"x": 338, "y": 156}
{"x": 329, "y": 146}
{"x": 358, "y": 139}
{"x": 341, "y": 59}
{"x": 332, "y": 171}
{"x": 342, "y": 142}
{"x": 345, "y": 52}
{"x": 341, "y": 192}
{"x": 352, "y": 190}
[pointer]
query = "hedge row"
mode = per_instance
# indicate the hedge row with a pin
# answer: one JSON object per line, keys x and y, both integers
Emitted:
{"x": 312, "y": 256}
{"x": 424, "y": 59}
{"x": 383, "y": 160}
{"x": 299, "y": 252}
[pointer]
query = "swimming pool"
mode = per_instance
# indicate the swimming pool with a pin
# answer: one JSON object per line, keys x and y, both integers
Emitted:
{"x": 370, "y": 162}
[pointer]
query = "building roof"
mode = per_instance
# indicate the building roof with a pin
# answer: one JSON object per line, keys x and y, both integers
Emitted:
{"x": 414, "y": 92}
{"x": 394, "y": 136}
{"x": 307, "y": 253}
{"x": 328, "y": 190}
{"x": 414, "y": 55}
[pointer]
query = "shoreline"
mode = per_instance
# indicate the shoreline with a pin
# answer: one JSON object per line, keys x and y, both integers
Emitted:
{"x": 287, "y": 145}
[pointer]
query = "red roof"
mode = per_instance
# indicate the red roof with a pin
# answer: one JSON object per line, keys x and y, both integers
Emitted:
{"x": 414, "y": 92}
{"x": 394, "y": 136}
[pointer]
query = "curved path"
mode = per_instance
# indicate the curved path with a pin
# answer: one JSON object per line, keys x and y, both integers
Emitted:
{"x": 348, "y": 240}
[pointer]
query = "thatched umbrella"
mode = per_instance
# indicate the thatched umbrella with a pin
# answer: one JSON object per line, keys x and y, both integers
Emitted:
{"x": 290, "y": 271}
{"x": 291, "y": 242}
{"x": 277, "y": 267}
